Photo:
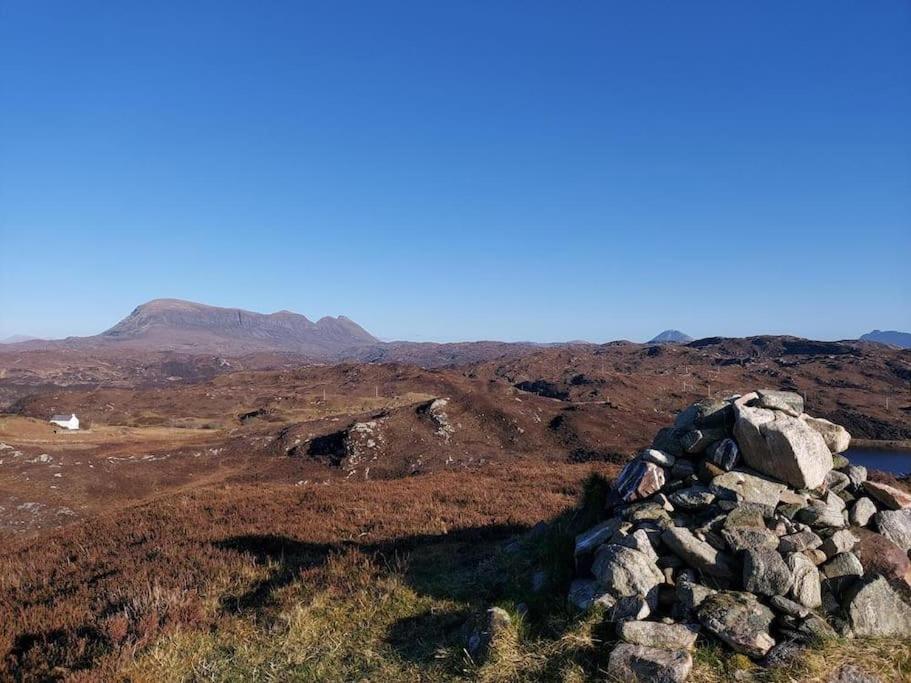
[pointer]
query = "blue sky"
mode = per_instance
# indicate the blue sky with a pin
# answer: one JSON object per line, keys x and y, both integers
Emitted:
{"x": 460, "y": 170}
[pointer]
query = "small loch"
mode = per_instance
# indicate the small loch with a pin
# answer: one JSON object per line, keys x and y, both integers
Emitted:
{"x": 895, "y": 461}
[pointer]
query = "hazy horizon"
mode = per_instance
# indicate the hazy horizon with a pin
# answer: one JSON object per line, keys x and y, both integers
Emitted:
{"x": 457, "y": 172}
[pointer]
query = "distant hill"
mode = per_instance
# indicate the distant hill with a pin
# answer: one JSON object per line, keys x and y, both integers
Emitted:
{"x": 890, "y": 337}
{"x": 671, "y": 337}
{"x": 17, "y": 339}
{"x": 175, "y": 325}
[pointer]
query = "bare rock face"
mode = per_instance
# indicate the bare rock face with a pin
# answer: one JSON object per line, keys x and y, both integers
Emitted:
{"x": 740, "y": 620}
{"x": 641, "y": 664}
{"x": 875, "y": 609}
{"x": 781, "y": 446}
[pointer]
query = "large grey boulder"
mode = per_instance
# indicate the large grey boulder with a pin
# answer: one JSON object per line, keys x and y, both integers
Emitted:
{"x": 781, "y": 446}
{"x": 837, "y": 438}
{"x": 656, "y": 634}
{"x": 806, "y": 587}
{"x": 765, "y": 572}
{"x": 706, "y": 414}
{"x": 840, "y": 542}
{"x": 896, "y": 526}
{"x": 627, "y": 572}
{"x": 641, "y": 664}
{"x": 857, "y": 475}
{"x": 698, "y": 554}
{"x": 875, "y": 609}
{"x": 740, "y": 620}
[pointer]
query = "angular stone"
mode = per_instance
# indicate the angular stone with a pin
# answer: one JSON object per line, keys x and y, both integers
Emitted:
{"x": 862, "y": 512}
{"x": 641, "y": 664}
{"x": 835, "y": 436}
{"x": 696, "y": 441}
{"x": 891, "y": 497}
{"x": 879, "y": 555}
{"x": 843, "y": 568}
{"x": 857, "y": 474}
{"x": 748, "y": 487}
{"x": 588, "y": 541}
{"x": 744, "y": 528}
{"x": 789, "y": 607}
{"x": 637, "y": 480}
{"x": 740, "y": 620}
{"x": 765, "y": 572}
{"x": 668, "y": 440}
{"x": 627, "y": 572}
{"x": 806, "y": 587}
{"x": 656, "y": 634}
{"x": 629, "y": 607}
{"x": 658, "y": 457}
{"x": 875, "y": 609}
{"x": 691, "y": 594}
{"x": 638, "y": 540}
{"x": 820, "y": 515}
{"x": 836, "y": 481}
{"x": 840, "y": 542}
{"x": 796, "y": 542}
{"x": 682, "y": 469}
{"x": 896, "y": 526}
{"x": 787, "y": 401}
{"x": 708, "y": 413}
{"x": 725, "y": 454}
{"x": 695, "y": 497}
{"x": 585, "y": 594}
{"x": 782, "y": 447}
{"x": 698, "y": 554}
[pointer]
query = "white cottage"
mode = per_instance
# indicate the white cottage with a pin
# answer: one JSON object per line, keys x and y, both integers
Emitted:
{"x": 71, "y": 422}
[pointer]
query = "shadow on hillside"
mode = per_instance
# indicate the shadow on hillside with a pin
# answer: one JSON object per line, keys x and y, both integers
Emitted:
{"x": 437, "y": 563}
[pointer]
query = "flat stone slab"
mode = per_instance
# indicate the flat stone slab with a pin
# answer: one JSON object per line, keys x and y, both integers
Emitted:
{"x": 642, "y": 664}
{"x": 740, "y": 620}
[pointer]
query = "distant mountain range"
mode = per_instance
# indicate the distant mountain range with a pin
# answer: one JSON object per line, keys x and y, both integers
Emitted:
{"x": 671, "y": 337}
{"x": 17, "y": 339}
{"x": 890, "y": 337}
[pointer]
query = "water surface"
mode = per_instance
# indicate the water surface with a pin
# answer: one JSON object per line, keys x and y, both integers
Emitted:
{"x": 896, "y": 461}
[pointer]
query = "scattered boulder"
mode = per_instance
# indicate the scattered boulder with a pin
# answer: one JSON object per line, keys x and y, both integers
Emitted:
{"x": 638, "y": 663}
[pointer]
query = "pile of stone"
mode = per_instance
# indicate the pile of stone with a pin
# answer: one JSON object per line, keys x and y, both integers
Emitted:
{"x": 743, "y": 524}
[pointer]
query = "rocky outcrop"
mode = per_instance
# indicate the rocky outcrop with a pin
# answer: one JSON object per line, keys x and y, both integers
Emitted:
{"x": 739, "y": 520}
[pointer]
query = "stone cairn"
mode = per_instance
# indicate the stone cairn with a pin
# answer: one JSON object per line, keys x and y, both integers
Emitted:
{"x": 740, "y": 524}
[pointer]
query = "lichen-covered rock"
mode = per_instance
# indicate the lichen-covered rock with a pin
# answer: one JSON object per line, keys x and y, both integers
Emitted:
{"x": 857, "y": 475}
{"x": 840, "y": 542}
{"x": 698, "y": 554}
{"x": 696, "y": 497}
{"x": 748, "y": 487}
{"x": 656, "y": 634}
{"x": 799, "y": 541}
{"x": 781, "y": 446}
{"x": 627, "y": 572}
{"x": 740, "y": 620}
{"x": 876, "y": 609}
{"x": 879, "y": 555}
{"x": 806, "y": 587}
{"x": 744, "y": 528}
{"x": 896, "y": 526}
{"x": 765, "y": 572}
{"x": 641, "y": 664}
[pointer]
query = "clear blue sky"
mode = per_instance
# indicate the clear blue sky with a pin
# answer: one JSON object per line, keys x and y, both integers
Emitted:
{"x": 460, "y": 170}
